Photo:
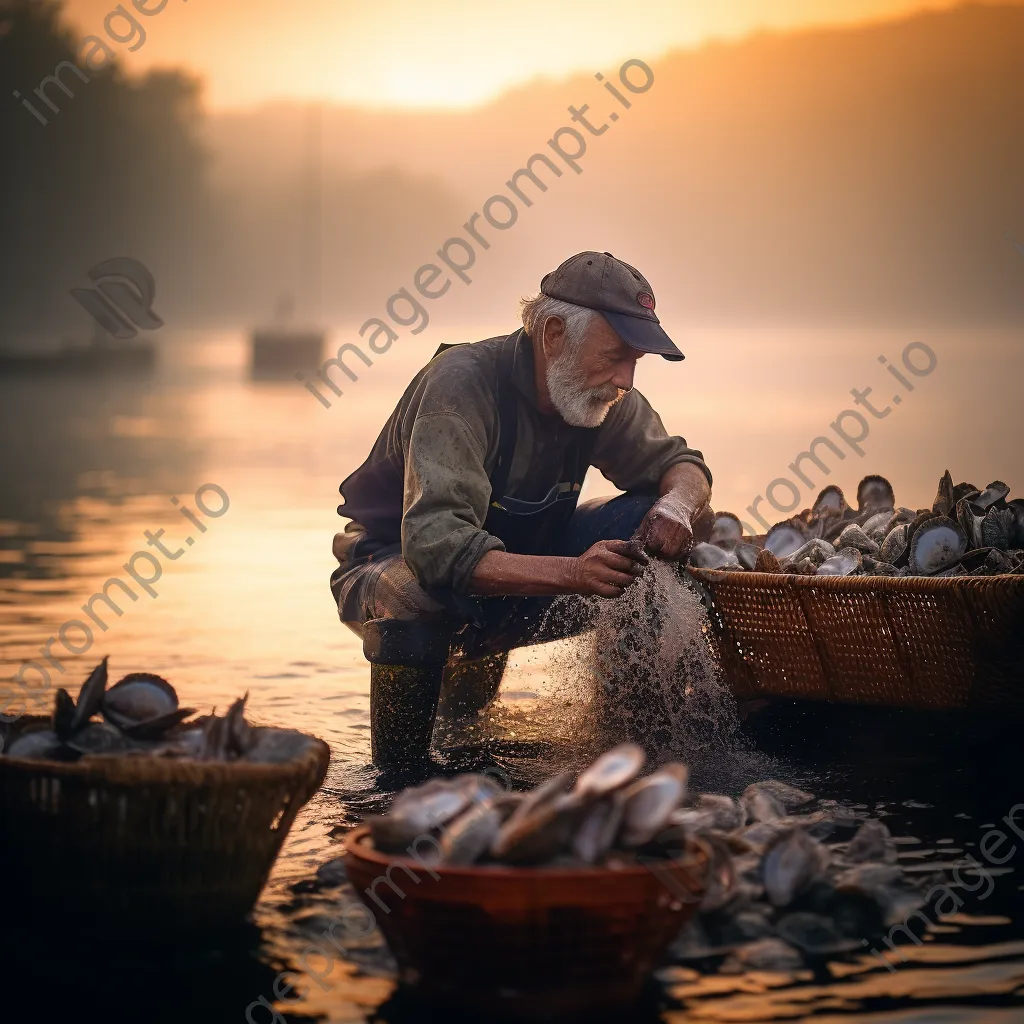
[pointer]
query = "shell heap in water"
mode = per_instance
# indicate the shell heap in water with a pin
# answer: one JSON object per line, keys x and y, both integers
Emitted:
{"x": 968, "y": 531}
{"x": 789, "y": 877}
{"x": 141, "y": 717}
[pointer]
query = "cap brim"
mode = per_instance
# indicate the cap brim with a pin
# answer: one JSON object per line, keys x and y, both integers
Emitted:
{"x": 644, "y": 335}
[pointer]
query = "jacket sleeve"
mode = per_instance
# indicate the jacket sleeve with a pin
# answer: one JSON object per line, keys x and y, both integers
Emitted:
{"x": 633, "y": 449}
{"x": 447, "y": 491}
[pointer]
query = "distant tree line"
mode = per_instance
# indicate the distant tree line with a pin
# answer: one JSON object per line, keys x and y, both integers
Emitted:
{"x": 117, "y": 170}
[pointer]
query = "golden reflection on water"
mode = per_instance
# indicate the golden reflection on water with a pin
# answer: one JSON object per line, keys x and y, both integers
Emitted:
{"x": 89, "y": 466}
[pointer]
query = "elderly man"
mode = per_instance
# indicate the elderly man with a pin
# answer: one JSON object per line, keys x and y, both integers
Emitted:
{"x": 466, "y": 510}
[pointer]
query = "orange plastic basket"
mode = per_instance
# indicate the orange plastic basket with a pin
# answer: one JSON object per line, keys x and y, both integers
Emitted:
{"x": 540, "y": 943}
{"x": 907, "y": 642}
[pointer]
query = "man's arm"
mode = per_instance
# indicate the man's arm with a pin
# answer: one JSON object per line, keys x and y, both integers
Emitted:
{"x": 667, "y": 530}
{"x": 605, "y": 570}
{"x": 443, "y": 540}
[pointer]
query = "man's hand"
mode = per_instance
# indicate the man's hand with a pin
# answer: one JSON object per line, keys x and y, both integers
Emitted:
{"x": 667, "y": 530}
{"x": 607, "y": 568}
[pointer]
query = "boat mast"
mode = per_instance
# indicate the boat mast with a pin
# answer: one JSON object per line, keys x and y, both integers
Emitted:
{"x": 312, "y": 226}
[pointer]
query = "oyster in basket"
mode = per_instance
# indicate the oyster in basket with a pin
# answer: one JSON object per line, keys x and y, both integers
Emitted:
{"x": 831, "y": 501}
{"x": 938, "y": 544}
{"x": 845, "y": 562}
{"x": 610, "y": 771}
{"x": 143, "y": 705}
{"x": 39, "y": 745}
{"x": 875, "y": 495}
{"x": 784, "y": 539}
{"x": 712, "y": 556}
{"x": 727, "y": 530}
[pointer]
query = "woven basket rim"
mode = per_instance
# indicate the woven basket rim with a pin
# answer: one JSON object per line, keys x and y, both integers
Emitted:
{"x": 696, "y": 859}
{"x": 147, "y": 770}
{"x": 855, "y": 584}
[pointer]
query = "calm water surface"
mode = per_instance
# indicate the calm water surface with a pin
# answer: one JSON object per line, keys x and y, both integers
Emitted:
{"x": 89, "y": 466}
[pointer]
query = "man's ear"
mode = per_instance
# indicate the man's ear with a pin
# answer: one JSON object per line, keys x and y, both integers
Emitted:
{"x": 553, "y": 340}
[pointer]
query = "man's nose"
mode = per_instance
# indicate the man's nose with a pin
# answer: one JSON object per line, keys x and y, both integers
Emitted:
{"x": 623, "y": 379}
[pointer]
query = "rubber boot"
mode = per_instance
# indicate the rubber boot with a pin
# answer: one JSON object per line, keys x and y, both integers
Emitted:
{"x": 467, "y": 687}
{"x": 403, "y": 706}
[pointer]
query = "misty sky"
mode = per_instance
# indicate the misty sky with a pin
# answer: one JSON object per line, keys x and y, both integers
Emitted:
{"x": 443, "y": 53}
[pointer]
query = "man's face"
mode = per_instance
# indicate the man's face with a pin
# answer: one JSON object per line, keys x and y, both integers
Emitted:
{"x": 585, "y": 385}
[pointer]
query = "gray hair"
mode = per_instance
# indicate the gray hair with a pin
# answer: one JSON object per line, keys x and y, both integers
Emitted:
{"x": 576, "y": 318}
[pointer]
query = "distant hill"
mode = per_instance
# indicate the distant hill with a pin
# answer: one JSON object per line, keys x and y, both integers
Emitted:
{"x": 861, "y": 174}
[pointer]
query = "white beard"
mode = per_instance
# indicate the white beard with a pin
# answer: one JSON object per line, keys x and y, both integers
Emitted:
{"x": 578, "y": 405}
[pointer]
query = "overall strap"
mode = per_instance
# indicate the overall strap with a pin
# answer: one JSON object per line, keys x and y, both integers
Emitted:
{"x": 508, "y": 415}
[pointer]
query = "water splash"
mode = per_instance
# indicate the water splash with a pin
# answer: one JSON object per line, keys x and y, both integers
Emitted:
{"x": 649, "y": 672}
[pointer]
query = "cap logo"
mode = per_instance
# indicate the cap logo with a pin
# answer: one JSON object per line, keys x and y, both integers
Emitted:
{"x": 646, "y": 299}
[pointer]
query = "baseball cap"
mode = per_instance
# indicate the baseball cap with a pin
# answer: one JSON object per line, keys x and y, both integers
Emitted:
{"x": 619, "y": 292}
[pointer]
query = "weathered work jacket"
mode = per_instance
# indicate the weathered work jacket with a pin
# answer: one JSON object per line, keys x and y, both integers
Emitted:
{"x": 436, "y": 457}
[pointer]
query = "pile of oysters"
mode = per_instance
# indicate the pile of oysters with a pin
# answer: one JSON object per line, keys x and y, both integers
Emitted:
{"x": 790, "y": 876}
{"x": 566, "y": 820}
{"x": 141, "y": 717}
{"x": 967, "y": 532}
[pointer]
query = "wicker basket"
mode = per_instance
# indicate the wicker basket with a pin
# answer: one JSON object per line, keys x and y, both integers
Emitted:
{"x": 906, "y": 642}
{"x": 541, "y": 943}
{"x": 162, "y": 844}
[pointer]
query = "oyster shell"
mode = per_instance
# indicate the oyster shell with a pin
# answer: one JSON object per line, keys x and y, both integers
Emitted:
{"x": 944, "y": 502}
{"x": 830, "y": 500}
{"x": 647, "y": 805}
{"x": 998, "y": 528}
{"x": 970, "y": 517}
{"x": 416, "y": 812}
{"x": 99, "y": 738}
{"x": 143, "y": 705}
{"x": 783, "y": 539}
{"x": 759, "y": 805}
{"x": 90, "y": 696}
{"x": 965, "y": 490}
{"x": 854, "y": 537}
{"x": 541, "y": 834}
{"x": 767, "y": 562}
{"x": 1017, "y": 507}
{"x": 522, "y": 839}
{"x": 994, "y": 494}
{"x": 63, "y": 714}
{"x": 875, "y": 494}
{"x": 815, "y": 551}
{"x": 746, "y": 554}
{"x": 596, "y": 833}
{"x": 871, "y": 843}
{"x": 789, "y": 796}
{"x": 612, "y": 770}
{"x": 723, "y": 812}
{"x": 468, "y": 836}
{"x": 726, "y": 531}
{"x": 711, "y": 556}
{"x": 878, "y": 525}
{"x": 38, "y": 745}
{"x": 845, "y": 562}
{"x": 874, "y": 567}
{"x": 793, "y": 862}
{"x": 894, "y": 547}
{"x": 938, "y": 544}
